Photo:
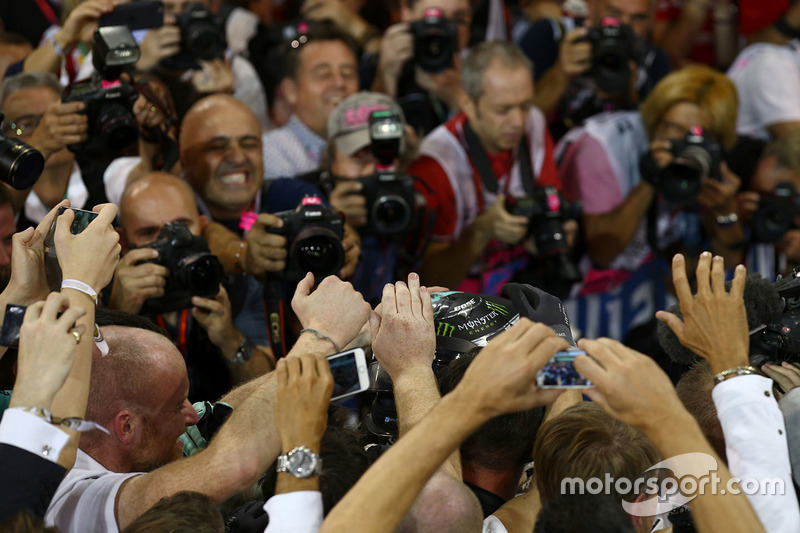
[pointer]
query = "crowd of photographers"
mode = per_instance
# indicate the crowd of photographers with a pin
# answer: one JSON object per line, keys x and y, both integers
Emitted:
{"x": 221, "y": 220}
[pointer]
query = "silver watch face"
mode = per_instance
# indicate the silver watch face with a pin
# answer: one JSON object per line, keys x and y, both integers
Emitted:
{"x": 301, "y": 463}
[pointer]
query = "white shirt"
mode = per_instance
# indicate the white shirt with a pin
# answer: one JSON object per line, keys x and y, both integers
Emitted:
{"x": 85, "y": 499}
{"x": 32, "y": 433}
{"x": 301, "y": 512}
{"x": 755, "y": 443}
{"x": 78, "y": 194}
{"x": 767, "y": 79}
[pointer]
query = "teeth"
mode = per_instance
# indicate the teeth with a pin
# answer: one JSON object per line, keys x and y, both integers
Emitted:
{"x": 237, "y": 178}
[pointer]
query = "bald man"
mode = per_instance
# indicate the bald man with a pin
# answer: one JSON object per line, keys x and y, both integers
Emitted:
{"x": 212, "y": 344}
{"x": 221, "y": 157}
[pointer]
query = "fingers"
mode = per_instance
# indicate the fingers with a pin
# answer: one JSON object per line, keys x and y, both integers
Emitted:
{"x": 702, "y": 276}
{"x": 680, "y": 281}
{"x": 739, "y": 277}
{"x": 106, "y": 215}
{"x": 718, "y": 276}
{"x": 53, "y": 304}
{"x": 388, "y": 300}
{"x": 305, "y": 286}
{"x": 70, "y": 316}
{"x": 402, "y": 298}
{"x": 282, "y": 373}
{"x": 33, "y": 311}
{"x": 672, "y": 321}
{"x": 787, "y": 376}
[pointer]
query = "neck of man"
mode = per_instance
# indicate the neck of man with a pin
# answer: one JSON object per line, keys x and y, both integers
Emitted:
{"x": 222, "y": 213}
{"x": 51, "y": 187}
{"x": 503, "y": 483}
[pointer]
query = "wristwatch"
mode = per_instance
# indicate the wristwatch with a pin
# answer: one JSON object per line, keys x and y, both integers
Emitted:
{"x": 243, "y": 354}
{"x": 300, "y": 462}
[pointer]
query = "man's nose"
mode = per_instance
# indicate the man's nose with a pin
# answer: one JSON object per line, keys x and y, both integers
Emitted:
{"x": 191, "y": 414}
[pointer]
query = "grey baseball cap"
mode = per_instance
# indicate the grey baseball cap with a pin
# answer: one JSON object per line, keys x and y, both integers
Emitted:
{"x": 348, "y": 124}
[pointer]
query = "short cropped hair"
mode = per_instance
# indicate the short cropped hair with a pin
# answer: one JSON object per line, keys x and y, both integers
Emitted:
{"x": 183, "y": 512}
{"x": 711, "y": 91}
{"x": 319, "y": 31}
{"x": 586, "y": 442}
{"x": 481, "y": 56}
{"x": 573, "y": 512}
{"x": 28, "y": 80}
{"x": 785, "y": 150}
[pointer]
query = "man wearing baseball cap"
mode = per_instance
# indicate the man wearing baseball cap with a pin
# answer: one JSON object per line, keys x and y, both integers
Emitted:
{"x": 349, "y": 156}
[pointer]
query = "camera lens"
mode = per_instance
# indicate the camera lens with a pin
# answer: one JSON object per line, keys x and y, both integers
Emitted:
{"x": 391, "y": 214}
{"x": 771, "y": 221}
{"x": 205, "y": 40}
{"x": 319, "y": 251}
{"x": 20, "y": 164}
{"x": 203, "y": 275}
{"x": 117, "y": 126}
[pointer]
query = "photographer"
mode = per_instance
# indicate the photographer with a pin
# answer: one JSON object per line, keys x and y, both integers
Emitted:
{"x": 349, "y": 156}
{"x": 35, "y": 114}
{"x": 770, "y": 207}
{"x": 567, "y": 80}
{"x": 428, "y": 95}
{"x": 642, "y": 192}
{"x": 218, "y": 354}
{"x": 189, "y": 53}
{"x": 476, "y": 240}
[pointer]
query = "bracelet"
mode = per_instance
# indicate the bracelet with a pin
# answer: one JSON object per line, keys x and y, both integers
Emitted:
{"x": 733, "y": 372}
{"x": 80, "y": 287}
{"x": 237, "y": 259}
{"x": 56, "y": 47}
{"x": 322, "y": 336}
{"x": 73, "y": 423}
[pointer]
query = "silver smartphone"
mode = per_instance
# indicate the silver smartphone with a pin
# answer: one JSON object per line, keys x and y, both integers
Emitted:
{"x": 559, "y": 372}
{"x": 350, "y": 374}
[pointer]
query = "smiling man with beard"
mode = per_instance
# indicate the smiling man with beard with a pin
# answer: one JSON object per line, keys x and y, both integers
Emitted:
{"x": 320, "y": 70}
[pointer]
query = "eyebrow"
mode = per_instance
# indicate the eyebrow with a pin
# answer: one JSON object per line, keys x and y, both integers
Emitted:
{"x": 229, "y": 139}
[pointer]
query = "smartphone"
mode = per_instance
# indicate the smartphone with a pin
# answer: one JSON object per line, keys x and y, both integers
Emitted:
{"x": 136, "y": 15}
{"x": 350, "y": 375}
{"x": 12, "y": 322}
{"x": 82, "y": 220}
{"x": 559, "y": 372}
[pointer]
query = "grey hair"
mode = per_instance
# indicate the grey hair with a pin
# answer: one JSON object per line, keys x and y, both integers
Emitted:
{"x": 28, "y": 80}
{"x": 479, "y": 59}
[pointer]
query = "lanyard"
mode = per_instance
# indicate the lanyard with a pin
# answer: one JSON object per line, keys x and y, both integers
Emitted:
{"x": 182, "y": 327}
{"x": 47, "y": 11}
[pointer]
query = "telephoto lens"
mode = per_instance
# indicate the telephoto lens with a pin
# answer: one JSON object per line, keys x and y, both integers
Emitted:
{"x": 20, "y": 164}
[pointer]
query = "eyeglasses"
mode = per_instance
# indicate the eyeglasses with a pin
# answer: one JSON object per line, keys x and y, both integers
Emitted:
{"x": 23, "y": 126}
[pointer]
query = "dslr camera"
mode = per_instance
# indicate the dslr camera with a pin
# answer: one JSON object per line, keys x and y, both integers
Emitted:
{"x": 614, "y": 45}
{"x": 435, "y": 41}
{"x": 202, "y": 37}
{"x": 109, "y": 100}
{"x": 314, "y": 233}
{"x": 193, "y": 271}
{"x": 547, "y": 210}
{"x": 20, "y": 164}
{"x": 391, "y": 198}
{"x": 776, "y": 213}
{"x": 698, "y": 156}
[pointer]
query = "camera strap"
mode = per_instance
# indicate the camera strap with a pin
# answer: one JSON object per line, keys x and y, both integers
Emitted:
{"x": 274, "y": 309}
{"x": 481, "y": 161}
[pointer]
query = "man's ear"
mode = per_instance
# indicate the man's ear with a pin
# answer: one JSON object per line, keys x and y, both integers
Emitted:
{"x": 127, "y": 428}
{"x": 405, "y": 13}
{"x": 123, "y": 242}
{"x": 203, "y": 223}
{"x": 642, "y": 524}
{"x": 468, "y": 105}
{"x": 289, "y": 89}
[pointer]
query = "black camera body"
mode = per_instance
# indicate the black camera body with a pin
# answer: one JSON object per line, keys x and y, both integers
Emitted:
{"x": 435, "y": 41}
{"x": 109, "y": 100}
{"x": 698, "y": 157}
{"x": 614, "y": 45}
{"x": 391, "y": 203}
{"x": 314, "y": 233}
{"x": 776, "y": 213}
{"x": 547, "y": 210}
{"x": 202, "y": 37}
{"x": 109, "y": 110}
{"x": 193, "y": 270}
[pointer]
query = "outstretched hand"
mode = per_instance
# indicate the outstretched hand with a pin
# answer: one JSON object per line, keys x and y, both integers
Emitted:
{"x": 403, "y": 334}
{"x": 714, "y": 324}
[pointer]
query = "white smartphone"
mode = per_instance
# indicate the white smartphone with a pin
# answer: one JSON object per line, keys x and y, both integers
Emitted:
{"x": 350, "y": 374}
{"x": 559, "y": 372}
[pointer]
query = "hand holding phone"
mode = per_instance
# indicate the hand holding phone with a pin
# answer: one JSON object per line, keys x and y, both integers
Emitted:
{"x": 350, "y": 374}
{"x": 559, "y": 372}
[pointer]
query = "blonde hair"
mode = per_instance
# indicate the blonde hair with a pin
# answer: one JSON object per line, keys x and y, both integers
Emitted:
{"x": 710, "y": 90}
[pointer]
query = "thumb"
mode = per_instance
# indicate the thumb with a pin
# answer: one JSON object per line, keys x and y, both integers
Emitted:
{"x": 672, "y": 321}
{"x": 305, "y": 285}
{"x": 374, "y": 324}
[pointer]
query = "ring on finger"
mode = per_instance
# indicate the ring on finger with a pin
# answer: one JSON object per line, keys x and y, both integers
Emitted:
{"x": 76, "y": 335}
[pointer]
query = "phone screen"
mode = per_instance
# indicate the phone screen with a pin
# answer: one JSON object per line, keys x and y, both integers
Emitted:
{"x": 79, "y": 223}
{"x": 12, "y": 322}
{"x": 346, "y": 379}
{"x": 559, "y": 372}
